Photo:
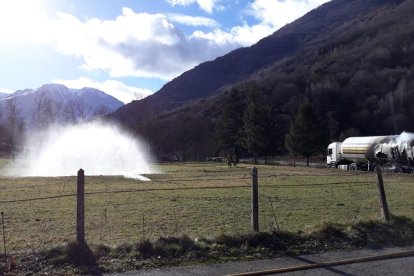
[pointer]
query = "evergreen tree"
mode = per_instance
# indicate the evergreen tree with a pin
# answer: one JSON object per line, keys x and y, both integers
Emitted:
{"x": 257, "y": 125}
{"x": 229, "y": 122}
{"x": 307, "y": 134}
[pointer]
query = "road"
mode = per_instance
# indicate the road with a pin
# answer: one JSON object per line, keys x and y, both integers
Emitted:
{"x": 398, "y": 266}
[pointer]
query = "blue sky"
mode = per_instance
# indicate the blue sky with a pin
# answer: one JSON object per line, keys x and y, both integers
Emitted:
{"x": 127, "y": 48}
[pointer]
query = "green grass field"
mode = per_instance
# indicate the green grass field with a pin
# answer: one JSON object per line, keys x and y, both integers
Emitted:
{"x": 198, "y": 199}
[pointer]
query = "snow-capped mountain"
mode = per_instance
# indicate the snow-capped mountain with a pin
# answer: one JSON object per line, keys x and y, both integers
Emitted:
{"x": 3, "y": 95}
{"x": 58, "y": 103}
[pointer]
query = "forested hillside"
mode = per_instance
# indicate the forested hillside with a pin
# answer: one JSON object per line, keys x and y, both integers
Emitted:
{"x": 352, "y": 61}
{"x": 360, "y": 76}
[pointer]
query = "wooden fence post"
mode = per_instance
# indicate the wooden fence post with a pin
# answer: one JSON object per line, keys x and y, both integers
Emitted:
{"x": 382, "y": 198}
{"x": 80, "y": 208}
{"x": 255, "y": 202}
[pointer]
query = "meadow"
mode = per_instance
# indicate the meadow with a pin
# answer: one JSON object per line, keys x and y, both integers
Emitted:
{"x": 196, "y": 199}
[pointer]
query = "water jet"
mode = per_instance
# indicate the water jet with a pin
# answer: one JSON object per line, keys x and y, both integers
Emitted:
{"x": 97, "y": 147}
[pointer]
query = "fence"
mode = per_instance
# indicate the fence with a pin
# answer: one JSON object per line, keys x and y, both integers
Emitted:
{"x": 200, "y": 200}
{"x": 284, "y": 160}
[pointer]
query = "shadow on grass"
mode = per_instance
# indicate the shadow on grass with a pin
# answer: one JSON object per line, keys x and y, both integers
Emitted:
{"x": 81, "y": 255}
{"x": 76, "y": 254}
{"x": 167, "y": 251}
{"x": 398, "y": 232}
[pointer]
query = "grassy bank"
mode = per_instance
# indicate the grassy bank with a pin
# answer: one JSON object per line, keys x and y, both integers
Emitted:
{"x": 197, "y": 199}
{"x": 74, "y": 258}
{"x": 201, "y": 200}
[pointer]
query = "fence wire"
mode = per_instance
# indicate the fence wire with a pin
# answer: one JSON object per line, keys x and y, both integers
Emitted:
{"x": 41, "y": 212}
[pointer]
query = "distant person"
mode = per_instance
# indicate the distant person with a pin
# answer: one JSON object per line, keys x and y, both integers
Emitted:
{"x": 235, "y": 160}
{"x": 229, "y": 160}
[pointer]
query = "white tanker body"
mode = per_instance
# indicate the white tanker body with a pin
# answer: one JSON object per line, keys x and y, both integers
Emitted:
{"x": 365, "y": 153}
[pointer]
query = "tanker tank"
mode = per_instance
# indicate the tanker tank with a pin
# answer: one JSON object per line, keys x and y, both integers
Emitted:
{"x": 393, "y": 152}
{"x": 363, "y": 149}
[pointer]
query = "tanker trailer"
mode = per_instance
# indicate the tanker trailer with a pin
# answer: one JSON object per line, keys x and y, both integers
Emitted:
{"x": 364, "y": 153}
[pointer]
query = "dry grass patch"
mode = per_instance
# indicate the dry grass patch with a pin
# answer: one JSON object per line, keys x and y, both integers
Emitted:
{"x": 196, "y": 199}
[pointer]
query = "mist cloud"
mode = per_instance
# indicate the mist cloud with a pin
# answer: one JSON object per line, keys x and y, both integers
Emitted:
{"x": 98, "y": 148}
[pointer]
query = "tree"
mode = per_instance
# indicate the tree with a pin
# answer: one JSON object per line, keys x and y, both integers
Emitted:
{"x": 83, "y": 109}
{"x": 70, "y": 111}
{"x": 46, "y": 111}
{"x": 102, "y": 111}
{"x": 257, "y": 125}
{"x": 307, "y": 134}
{"x": 14, "y": 123}
{"x": 229, "y": 121}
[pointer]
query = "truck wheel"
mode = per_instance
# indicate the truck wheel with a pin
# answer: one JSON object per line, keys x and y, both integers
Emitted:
{"x": 353, "y": 167}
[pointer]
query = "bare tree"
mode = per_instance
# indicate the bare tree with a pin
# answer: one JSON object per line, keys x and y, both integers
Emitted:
{"x": 102, "y": 111}
{"x": 46, "y": 111}
{"x": 38, "y": 110}
{"x": 12, "y": 111}
{"x": 70, "y": 111}
{"x": 14, "y": 124}
{"x": 51, "y": 112}
{"x": 82, "y": 108}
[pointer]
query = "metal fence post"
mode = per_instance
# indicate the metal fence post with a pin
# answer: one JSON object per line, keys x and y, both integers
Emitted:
{"x": 382, "y": 198}
{"x": 80, "y": 208}
{"x": 255, "y": 201}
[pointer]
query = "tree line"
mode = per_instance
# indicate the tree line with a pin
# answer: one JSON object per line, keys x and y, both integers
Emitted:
{"x": 16, "y": 123}
{"x": 239, "y": 122}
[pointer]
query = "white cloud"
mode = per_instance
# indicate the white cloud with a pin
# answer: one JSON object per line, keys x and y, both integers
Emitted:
{"x": 278, "y": 13}
{"x": 237, "y": 36}
{"x": 134, "y": 44}
{"x": 193, "y": 20}
{"x": 115, "y": 88}
{"x": 156, "y": 49}
{"x": 150, "y": 45}
{"x": 271, "y": 16}
{"x": 6, "y": 90}
{"x": 206, "y": 5}
{"x": 21, "y": 19}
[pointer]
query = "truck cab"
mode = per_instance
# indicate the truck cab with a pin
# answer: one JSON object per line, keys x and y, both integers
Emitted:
{"x": 334, "y": 154}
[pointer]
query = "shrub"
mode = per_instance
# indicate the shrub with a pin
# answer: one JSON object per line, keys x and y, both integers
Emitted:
{"x": 146, "y": 248}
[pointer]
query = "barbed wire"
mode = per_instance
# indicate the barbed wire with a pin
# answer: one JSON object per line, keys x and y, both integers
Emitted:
{"x": 281, "y": 197}
{"x": 126, "y": 191}
{"x": 247, "y": 185}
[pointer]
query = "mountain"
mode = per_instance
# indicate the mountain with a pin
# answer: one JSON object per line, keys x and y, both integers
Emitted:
{"x": 352, "y": 60}
{"x": 58, "y": 103}
{"x": 210, "y": 77}
{"x": 3, "y": 95}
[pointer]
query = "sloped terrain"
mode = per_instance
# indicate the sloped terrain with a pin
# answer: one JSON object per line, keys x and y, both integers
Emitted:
{"x": 352, "y": 60}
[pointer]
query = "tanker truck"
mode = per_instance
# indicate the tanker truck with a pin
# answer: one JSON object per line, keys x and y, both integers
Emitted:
{"x": 394, "y": 153}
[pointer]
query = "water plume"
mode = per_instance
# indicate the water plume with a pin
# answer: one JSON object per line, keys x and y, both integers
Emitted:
{"x": 405, "y": 144}
{"x": 98, "y": 148}
{"x": 404, "y": 137}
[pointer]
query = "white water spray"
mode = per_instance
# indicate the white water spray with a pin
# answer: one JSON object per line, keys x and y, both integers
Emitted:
{"x": 404, "y": 137}
{"x": 98, "y": 148}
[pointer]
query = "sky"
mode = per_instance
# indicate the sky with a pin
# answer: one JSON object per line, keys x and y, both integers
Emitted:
{"x": 128, "y": 48}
